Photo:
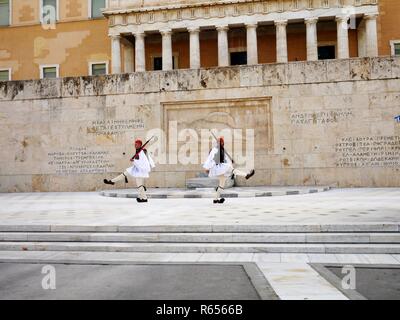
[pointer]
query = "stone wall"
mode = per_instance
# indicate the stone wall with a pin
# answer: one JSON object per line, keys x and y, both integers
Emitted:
{"x": 316, "y": 123}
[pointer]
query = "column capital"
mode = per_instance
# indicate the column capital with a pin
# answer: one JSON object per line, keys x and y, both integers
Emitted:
{"x": 370, "y": 16}
{"x": 313, "y": 20}
{"x": 166, "y": 32}
{"x": 343, "y": 18}
{"x": 139, "y": 35}
{"x": 115, "y": 36}
{"x": 222, "y": 28}
{"x": 193, "y": 29}
{"x": 281, "y": 23}
{"x": 251, "y": 25}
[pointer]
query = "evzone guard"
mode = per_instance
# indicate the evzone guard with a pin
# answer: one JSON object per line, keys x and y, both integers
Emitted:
{"x": 219, "y": 164}
{"x": 142, "y": 165}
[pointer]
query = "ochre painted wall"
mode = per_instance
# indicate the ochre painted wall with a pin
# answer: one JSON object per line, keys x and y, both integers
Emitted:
{"x": 388, "y": 24}
{"x": 72, "y": 45}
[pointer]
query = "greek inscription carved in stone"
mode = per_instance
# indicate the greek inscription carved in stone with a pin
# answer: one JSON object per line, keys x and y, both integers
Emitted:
{"x": 369, "y": 151}
{"x": 320, "y": 117}
{"x": 79, "y": 160}
{"x": 114, "y": 127}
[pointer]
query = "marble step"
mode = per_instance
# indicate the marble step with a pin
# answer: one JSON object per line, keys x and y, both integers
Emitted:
{"x": 201, "y": 247}
{"x": 270, "y": 228}
{"x": 202, "y": 237}
{"x": 206, "y": 182}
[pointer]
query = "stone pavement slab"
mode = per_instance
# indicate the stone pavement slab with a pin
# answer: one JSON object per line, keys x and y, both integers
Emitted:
{"x": 338, "y": 207}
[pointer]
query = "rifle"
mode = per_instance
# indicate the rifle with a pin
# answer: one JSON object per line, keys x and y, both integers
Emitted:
{"x": 141, "y": 148}
{"x": 225, "y": 150}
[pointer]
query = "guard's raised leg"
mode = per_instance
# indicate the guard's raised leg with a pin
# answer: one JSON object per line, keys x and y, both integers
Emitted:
{"x": 121, "y": 177}
{"x": 241, "y": 173}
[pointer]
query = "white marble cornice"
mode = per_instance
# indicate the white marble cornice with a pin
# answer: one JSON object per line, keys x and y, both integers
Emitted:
{"x": 274, "y": 5}
{"x": 139, "y": 23}
{"x": 167, "y": 6}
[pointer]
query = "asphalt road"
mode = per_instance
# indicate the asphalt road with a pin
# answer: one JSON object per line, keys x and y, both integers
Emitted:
{"x": 131, "y": 282}
{"x": 375, "y": 283}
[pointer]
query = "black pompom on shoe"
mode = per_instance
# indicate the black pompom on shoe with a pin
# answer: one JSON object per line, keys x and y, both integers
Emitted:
{"x": 108, "y": 182}
{"x": 222, "y": 200}
{"x": 250, "y": 174}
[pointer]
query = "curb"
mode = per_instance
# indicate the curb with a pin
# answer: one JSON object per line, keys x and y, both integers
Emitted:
{"x": 184, "y": 194}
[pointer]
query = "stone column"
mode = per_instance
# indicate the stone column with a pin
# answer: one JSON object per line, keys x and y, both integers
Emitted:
{"x": 371, "y": 35}
{"x": 140, "y": 53}
{"x": 362, "y": 39}
{"x": 116, "y": 54}
{"x": 194, "y": 34}
{"x": 281, "y": 41}
{"x": 166, "y": 49}
{"x": 312, "y": 41}
{"x": 342, "y": 37}
{"x": 252, "y": 48}
{"x": 128, "y": 57}
{"x": 223, "y": 48}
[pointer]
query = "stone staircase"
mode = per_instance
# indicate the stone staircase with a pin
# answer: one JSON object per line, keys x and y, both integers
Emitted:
{"x": 337, "y": 238}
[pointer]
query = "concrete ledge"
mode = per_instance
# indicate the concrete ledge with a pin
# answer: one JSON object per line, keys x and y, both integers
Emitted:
{"x": 387, "y": 229}
{"x": 203, "y": 247}
{"x": 236, "y": 192}
{"x": 203, "y": 237}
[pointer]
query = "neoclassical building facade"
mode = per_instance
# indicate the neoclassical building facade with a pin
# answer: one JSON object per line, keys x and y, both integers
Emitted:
{"x": 188, "y": 20}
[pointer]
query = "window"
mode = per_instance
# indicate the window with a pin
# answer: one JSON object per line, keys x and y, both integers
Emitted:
{"x": 49, "y": 72}
{"x": 238, "y": 58}
{"x": 326, "y": 52}
{"x": 98, "y": 68}
{"x": 5, "y": 74}
{"x": 49, "y": 11}
{"x": 395, "y": 47}
{"x": 95, "y": 7}
{"x": 4, "y": 12}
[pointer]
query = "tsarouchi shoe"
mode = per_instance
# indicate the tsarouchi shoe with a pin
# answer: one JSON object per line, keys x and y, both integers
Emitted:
{"x": 222, "y": 200}
{"x": 250, "y": 174}
{"x": 141, "y": 200}
{"x": 108, "y": 182}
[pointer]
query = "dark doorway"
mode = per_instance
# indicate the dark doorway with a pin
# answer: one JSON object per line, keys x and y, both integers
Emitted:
{"x": 238, "y": 58}
{"x": 157, "y": 63}
{"x": 326, "y": 52}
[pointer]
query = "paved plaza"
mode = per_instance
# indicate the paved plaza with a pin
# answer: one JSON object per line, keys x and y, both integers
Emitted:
{"x": 87, "y": 228}
{"x": 89, "y": 208}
